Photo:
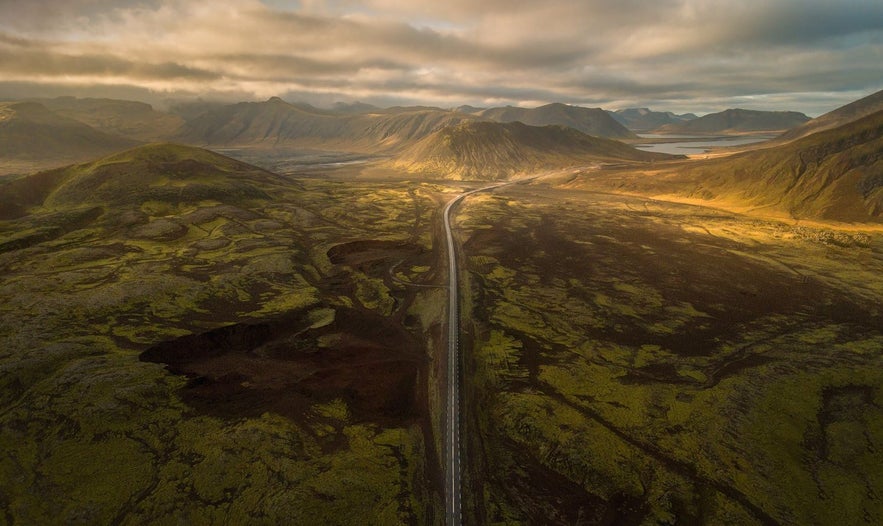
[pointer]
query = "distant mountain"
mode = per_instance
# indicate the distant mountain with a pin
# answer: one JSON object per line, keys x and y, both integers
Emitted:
{"x": 469, "y": 109}
{"x": 31, "y": 132}
{"x": 843, "y": 115}
{"x": 133, "y": 120}
{"x": 189, "y": 110}
{"x": 278, "y": 124}
{"x": 163, "y": 173}
{"x": 592, "y": 121}
{"x": 737, "y": 120}
{"x": 835, "y": 174}
{"x": 494, "y": 151}
{"x": 645, "y": 119}
{"x": 354, "y": 107}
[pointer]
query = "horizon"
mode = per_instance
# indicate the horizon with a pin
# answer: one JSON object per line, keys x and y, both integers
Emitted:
{"x": 168, "y": 104}
{"x": 679, "y": 56}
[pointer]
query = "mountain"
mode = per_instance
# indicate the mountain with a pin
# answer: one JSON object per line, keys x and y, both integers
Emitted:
{"x": 645, "y": 119}
{"x": 843, "y": 115}
{"x": 592, "y": 121}
{"x": 278, "y": 124}
{"x": 170, "y": 174}
{"x": 832, "y": 175}
{"x": 354, "y": 107}
{"x": 134, "y": 120}
{"x": 737, "y": 120}
{"x": 468, "y": 109}
{"x": 32, "y": 134}
{"x": 494, "y": 151}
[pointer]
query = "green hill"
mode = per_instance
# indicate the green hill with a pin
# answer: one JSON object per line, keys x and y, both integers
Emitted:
{"x": 162, "y": 173}
{"x": 494, "y": 151}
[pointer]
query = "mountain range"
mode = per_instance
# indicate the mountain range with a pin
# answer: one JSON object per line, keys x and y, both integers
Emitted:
{"x": 738, "y": 121}
{"x": 835, "y": 174}
{"x": 592, "y": 121}
{"x": 37, "y": 137}
{"x": 647, "y": 120}
{"x": 278, "y": 124}
{"x": 130, "y": 119}
{"x": 826, "y": 168}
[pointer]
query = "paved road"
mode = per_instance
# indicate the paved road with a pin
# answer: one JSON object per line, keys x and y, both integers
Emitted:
{"x": 452, "y": 423}
{"x": 453, "y": 507}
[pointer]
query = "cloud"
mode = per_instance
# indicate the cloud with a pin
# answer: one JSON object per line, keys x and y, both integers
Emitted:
{"x": 594, "y": 52}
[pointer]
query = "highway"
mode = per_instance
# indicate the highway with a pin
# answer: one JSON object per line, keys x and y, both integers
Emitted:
{"x": 452, "y": 422}
{"x": 453, "y": 506}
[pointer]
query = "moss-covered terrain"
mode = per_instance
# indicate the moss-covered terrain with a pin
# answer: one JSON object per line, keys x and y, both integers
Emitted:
{"x": 641, "y": 362}
{"x": 258, "y": 356}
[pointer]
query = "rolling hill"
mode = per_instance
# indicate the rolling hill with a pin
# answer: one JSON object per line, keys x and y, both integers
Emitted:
{"x": 834, "y": 175}
{"x": 646, "y": 120}
{"x": 591, "y": 121}
{"x": 738, "y": 121}
{"x": 31, "y": 133}
{"x": 130, "y": 119}
{"x": 162, "y": 173}
{"x": 842, "y": 115}
{"x": 494, "y": 151}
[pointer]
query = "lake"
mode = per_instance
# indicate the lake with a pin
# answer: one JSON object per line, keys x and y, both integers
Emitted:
{"x": 688, "y": 144}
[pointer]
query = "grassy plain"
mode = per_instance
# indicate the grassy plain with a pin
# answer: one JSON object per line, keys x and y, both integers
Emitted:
{"x": 247, "y": 358}
{"x": 641, "y": 362}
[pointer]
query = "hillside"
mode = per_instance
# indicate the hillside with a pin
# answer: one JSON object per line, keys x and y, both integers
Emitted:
{"x": 833, "y": 175}
{"x": 134, "y": 120}
{"x": 645, "y": 119}
{"x": 278, "y": 124}
{"x": 591, "y": 121}
{"x": 842, "y": 115}
{"x": 738, "y": 121}
{"x": 161, "y": 173}
{"x": 494, "y": 151}
{"x": 31, "y": 133}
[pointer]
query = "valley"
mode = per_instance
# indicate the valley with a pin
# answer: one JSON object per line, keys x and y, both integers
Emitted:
{"x": 640, "y": 361}
{"x": 428, "y": 317}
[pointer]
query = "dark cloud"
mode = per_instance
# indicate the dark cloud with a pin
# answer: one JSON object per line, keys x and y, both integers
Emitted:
{"x": 788, "y": 54}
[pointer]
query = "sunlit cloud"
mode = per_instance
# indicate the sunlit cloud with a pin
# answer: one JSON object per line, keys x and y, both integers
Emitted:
{"x": 683, "y": 55}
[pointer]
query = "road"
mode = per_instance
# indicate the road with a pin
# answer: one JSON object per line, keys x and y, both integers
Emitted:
{"x": 452, "y": 423}
{"x": 453, "y": 506}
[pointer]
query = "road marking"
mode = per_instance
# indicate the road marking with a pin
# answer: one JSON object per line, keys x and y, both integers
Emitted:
{"x": 453, "y": 501}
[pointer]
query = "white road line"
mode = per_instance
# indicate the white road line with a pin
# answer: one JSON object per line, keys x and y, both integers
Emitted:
{"x": 453, "y": 501}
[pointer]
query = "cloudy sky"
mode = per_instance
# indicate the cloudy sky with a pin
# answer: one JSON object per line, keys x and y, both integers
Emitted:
{"x": 678, "y": 55}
